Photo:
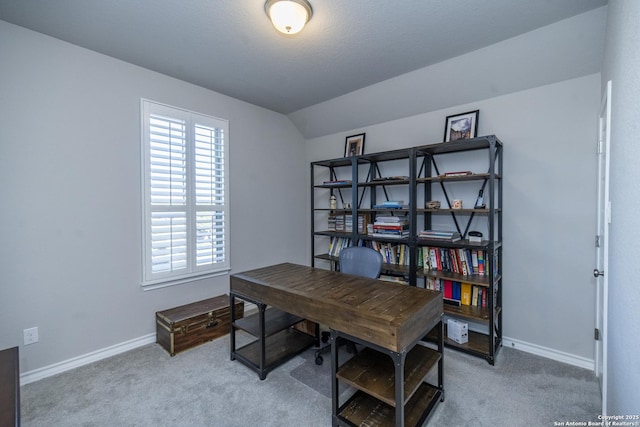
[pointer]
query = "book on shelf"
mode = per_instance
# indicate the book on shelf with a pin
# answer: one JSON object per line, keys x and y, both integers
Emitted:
{"x": 449, "y": 236}
{"x": 392, "y": 226}
{"x": 402, "y": 225}
{"x": 481, "y": 263}
{"x": 448, "y": 289}
{"x": 391, "y": 219}
{"x": 391, "y": 178}
{"x": 456, "y": 290}
{"x": 400, "y": 235}
{"x": 391, "y": 204}
{"x": 465, "y": 293}
{"x": 393, "y": 279}
{"x": 457, "y": 173}
{"x": 337, "y": 182}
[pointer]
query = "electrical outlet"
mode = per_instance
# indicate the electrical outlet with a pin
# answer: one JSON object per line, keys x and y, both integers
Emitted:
{"x": 30, "y": 336}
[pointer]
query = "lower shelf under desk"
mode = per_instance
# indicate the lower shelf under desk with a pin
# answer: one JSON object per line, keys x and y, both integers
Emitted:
{"x": 279, "y": 348}
{"x": 392, "y": 389}
{"x": 364, "y": 410}
{"x": 276, "y": 340}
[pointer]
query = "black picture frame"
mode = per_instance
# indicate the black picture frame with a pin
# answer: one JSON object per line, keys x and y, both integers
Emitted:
{"x": 354, "y": 145}
{"x": 461, "y": 126}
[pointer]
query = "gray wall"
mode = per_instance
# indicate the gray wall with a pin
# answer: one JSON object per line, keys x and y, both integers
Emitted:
{"x": 70, "y": 174}
{"x": 622, "y": 67}
{"x": 549, "y": 204}
{"x": 566, "y": 49}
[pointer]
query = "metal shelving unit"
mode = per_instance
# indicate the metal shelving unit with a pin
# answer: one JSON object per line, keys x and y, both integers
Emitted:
{"x": 422, "y": 176}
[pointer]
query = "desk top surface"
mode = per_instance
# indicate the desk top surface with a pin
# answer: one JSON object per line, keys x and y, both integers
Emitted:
{"x": 391, "y": 315}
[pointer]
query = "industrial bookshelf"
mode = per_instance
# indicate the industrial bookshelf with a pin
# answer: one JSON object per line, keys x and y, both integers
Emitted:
{"x": 415, "y": 175}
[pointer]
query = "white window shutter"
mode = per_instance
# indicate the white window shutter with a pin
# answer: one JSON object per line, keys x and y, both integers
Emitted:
{"x": 186, "y": 213}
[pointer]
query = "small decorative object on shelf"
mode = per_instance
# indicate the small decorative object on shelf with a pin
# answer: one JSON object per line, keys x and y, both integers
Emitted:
{"x": 354, "y": 145}
{"x": 457, "y": 331}
{"x": 461, "y": 126}
{"x": 432, "y": 204}
{"x": 333, "y": 203}
{"x": 480, "y": 201}
{"x": 456, "y": 204}
{"x": 475, "y": 237}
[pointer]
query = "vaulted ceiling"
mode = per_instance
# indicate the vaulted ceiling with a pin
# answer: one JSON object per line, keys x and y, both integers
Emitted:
{"x": 230, "y": 46}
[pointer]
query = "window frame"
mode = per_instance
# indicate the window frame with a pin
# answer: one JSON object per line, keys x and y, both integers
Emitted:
{"x": 192, "y": 271}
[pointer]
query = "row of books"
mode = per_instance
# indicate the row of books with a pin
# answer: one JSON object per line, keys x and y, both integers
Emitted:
{"x": 336, "y": 244}
{"x": 344, "y": 223}
{"x": 391, "y": 253}
{"x": 460, "y": 261}
{"x": 460, "y": 293}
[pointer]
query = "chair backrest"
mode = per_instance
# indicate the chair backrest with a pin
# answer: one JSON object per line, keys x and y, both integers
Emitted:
{"x": 361, "y": 261}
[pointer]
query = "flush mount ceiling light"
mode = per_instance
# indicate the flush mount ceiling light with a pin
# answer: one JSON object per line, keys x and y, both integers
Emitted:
{"x": 288, "y": 16}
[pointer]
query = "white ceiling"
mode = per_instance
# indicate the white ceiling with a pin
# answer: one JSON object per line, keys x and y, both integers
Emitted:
{"x": 229, "y": 46}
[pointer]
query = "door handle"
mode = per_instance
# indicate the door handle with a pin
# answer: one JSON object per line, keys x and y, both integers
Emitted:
{"x": 597, "y": 272}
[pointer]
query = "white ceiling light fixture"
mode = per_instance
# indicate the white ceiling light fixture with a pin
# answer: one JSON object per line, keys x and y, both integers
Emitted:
{"x": 288, "y": 16}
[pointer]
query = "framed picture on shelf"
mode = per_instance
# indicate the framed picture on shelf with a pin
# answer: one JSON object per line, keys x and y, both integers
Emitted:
{"x": 354, "y": 145}
{"x": 461, "y": 126}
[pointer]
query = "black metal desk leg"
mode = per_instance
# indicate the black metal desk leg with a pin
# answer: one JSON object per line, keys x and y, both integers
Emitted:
{"x": 335, "y": 404}
{"x": 263, "y": 340}
{"x": 398, "y": 360}
{"x": 232, "y": 333}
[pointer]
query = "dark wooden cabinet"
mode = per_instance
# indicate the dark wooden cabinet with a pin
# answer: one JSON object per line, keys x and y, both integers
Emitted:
{"x": 10, "y": 387}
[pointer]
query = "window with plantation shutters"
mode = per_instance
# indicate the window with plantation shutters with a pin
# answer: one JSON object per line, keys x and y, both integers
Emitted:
{"x": 185, "y": 195}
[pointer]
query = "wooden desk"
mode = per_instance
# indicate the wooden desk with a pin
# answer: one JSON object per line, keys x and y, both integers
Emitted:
{"x": 9, "y": 387}
{"x": 387, "y": 317}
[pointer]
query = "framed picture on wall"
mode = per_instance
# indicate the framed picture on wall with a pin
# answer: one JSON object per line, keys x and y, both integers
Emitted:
{"x": 354, "y": 145}
{"x": 461, "y": 126}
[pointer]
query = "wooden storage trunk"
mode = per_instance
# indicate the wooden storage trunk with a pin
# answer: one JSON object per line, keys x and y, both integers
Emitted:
{"x": 181, "y": 328}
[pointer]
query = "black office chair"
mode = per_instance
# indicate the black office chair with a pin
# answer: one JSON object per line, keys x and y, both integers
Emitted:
{"x": 359, "y": 261}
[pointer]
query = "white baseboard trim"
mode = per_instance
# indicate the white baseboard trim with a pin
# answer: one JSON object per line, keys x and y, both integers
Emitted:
{"x": 549, "y": 353}
{"x": 76, "y": 362}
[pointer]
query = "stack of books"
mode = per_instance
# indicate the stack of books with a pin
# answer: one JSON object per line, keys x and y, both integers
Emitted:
{"x": 442, "y": 235}
{"x": 391, "y": 227}
{"x": 331, "y": 223}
